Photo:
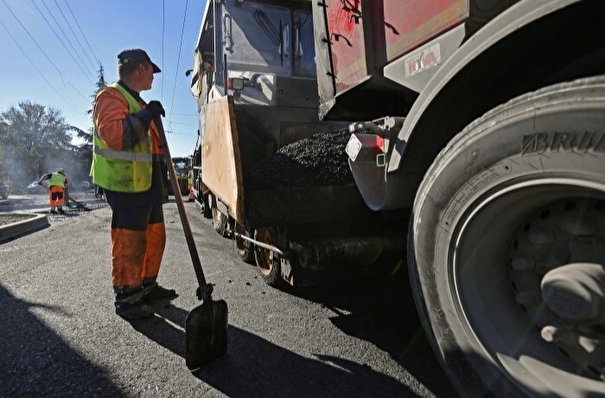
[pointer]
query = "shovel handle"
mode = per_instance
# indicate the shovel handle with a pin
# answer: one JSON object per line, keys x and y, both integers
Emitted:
{"x": 197, "y": 265}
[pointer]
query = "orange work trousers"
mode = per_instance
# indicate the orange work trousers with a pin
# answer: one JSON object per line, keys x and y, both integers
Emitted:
{"x": 138, "y": 238}
{"x": 56, "y": 196}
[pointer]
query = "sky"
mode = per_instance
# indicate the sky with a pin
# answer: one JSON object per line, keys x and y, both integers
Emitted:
{"x": 51, "y": 50}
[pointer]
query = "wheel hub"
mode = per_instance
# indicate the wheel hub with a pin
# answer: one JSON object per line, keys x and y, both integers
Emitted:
{"x": 557, "y": 271}
{"x": 575, "y": 293}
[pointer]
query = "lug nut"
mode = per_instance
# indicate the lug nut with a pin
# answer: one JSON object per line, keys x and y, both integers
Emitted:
{"x": 553, "y": 334}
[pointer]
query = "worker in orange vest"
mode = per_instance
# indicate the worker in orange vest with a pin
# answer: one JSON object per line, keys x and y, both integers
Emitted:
{"x": 57, "y": 187}
{"x": 129, "y": 166}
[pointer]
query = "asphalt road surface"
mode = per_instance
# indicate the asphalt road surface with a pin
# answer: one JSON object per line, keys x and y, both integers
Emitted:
{"x": 60, "y": 337}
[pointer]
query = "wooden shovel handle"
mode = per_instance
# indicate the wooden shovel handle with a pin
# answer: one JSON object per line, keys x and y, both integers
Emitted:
{"x": 197, "y": 265}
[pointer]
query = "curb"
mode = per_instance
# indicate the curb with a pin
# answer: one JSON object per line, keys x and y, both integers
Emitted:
{"x": 23, "y": 227}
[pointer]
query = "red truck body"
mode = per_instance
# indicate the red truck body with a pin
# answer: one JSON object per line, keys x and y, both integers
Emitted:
{"x": 407, "y": 24}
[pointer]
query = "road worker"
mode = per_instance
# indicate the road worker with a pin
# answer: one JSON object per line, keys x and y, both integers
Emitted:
{"x": 190, "y": 183}
{"x": 57, "y": 188}
{"x": 129, "y": 167}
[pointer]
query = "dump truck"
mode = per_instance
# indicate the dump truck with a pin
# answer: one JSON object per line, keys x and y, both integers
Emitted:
{"x": 475, "y": 143}
{"x": 180, "y": 167}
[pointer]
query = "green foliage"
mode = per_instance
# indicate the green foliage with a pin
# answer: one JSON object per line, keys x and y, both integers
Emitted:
{"x": 100, "y": 85}
{"x": 84, "y": 151}
{"x": 35, "y": 140}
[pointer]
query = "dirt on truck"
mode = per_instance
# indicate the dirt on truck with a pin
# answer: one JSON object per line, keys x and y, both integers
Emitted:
{"x": 466, "y": 135}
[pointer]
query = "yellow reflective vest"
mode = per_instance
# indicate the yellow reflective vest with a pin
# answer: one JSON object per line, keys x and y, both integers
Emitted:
{"x": 57, "y": 180}
{"x": 127, "y": 170}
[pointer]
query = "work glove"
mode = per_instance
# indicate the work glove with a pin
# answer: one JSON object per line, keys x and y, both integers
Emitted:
{"x": 156, "y": 109}
{"x": 153, "y": 110}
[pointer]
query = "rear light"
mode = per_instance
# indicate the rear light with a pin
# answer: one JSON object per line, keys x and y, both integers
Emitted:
{"x": 380, "y": 142}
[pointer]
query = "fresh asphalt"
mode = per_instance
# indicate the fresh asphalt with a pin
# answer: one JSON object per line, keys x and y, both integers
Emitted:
{"x": 61, "y": 338}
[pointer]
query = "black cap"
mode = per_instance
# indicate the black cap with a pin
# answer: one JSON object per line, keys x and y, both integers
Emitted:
{"x": 136, "y": 56}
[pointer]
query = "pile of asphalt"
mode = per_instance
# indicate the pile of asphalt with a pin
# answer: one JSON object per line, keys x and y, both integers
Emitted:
{"x": 318, "y": 160}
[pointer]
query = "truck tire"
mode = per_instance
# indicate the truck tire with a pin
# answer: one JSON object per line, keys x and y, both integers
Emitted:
{"x": 513, "y": 203}
{"x": 267, "y": 262}
{"x": 245, "y": 248}
{"x": 206, "y": 208}
{"x": 220, "y": 222}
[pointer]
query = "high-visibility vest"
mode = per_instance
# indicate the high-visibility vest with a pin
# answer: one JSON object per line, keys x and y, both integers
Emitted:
{"x": 128, "y": 170}
{"x": 56, "y": 180}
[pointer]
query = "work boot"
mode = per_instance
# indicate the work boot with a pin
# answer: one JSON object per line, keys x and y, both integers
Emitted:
{"x": 53, "y": 211}
{"x": 157, "y": 292}
{"x": 134, "y": 311}
{"x": 60, "y": 210}
{"x": 129, "y": 303}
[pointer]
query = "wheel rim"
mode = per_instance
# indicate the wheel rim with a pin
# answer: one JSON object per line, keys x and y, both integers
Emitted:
{"x": 264, "y": 257}
{"x": 492, "y": 243}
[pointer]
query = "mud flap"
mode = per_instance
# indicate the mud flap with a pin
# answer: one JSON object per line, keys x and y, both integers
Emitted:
{"x": 206, "y": 333}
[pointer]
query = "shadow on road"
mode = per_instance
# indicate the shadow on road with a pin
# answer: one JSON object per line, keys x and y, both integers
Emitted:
{"x": 255, "y": 367}
{"x": 382, "y": 313}
{"x": 36, "y": 362}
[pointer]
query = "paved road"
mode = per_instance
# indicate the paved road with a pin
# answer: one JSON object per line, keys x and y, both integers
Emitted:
{"x": 60, "y": 337}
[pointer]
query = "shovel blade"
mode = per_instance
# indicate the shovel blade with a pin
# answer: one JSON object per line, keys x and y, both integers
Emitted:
{"x": 206, "y": 333}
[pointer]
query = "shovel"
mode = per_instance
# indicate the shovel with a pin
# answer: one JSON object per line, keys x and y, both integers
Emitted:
{"x": 206, "y": 325}
{"x": 78, "y": 204}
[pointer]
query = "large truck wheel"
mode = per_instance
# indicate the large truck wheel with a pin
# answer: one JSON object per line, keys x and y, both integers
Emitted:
{"x": 206, "y": 207}
{"x": 245, "y": 248}
{"x": 507, "y": 248}
{"x": 267, "y": 261}
{"x": 219, "y": 222}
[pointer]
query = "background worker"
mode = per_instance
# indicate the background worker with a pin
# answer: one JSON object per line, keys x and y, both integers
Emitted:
{"x": 57, "y": 187}
{"x": 190, "y": 183}
{"x": 128, "y": 165}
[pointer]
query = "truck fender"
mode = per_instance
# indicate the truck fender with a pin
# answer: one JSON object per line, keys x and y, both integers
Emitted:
{"x": 471, "y": 82}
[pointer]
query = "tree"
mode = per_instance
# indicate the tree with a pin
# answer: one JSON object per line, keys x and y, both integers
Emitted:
{"x": 33, "y": 139}
{"x": 85, "y": 149}
{"x": 100, "y": 85}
